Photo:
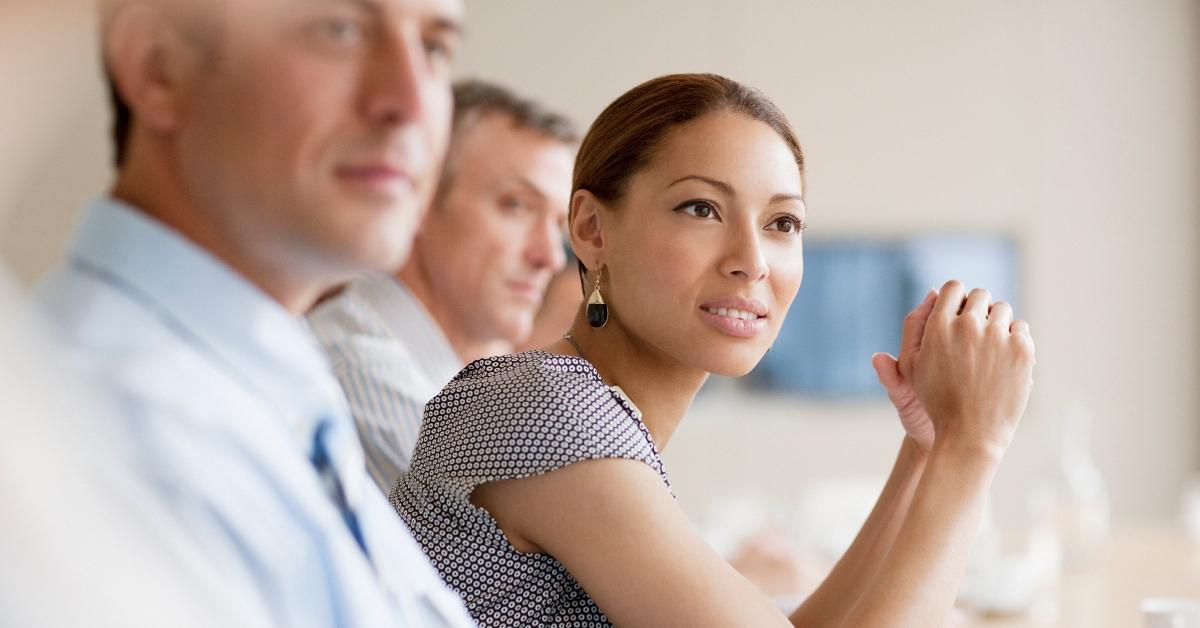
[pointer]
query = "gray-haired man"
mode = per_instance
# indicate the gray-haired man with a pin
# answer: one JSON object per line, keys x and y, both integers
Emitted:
{"x": 478, "y": 271}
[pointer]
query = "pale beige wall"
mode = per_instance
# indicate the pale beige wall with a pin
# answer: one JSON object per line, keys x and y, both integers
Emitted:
{"x": 1074, "y": 125}
{"x": 52, "y": 116}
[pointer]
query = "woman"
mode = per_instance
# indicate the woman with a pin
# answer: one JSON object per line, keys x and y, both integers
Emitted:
{"x": 536, "y": 486}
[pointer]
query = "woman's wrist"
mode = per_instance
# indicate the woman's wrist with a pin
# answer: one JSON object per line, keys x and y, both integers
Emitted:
{"x": 966, "y": 453}
{"x": 913, "y": 452}
{"x": 910, "y": 461}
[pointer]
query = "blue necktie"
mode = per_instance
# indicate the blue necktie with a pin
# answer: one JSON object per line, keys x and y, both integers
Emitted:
{"x": 327, "y": 469}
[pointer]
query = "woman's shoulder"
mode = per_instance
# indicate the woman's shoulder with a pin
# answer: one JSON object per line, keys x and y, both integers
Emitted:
{"x": 547, "y": 381}
{"x": 526, "y": 413}
{"x": 531, "y": 362}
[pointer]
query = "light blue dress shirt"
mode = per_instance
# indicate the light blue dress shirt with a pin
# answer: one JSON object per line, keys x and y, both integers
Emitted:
{"x": 219, "y": 394}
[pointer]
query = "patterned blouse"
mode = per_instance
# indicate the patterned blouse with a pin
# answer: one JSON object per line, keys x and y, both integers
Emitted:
{"x": 502, "y": 418}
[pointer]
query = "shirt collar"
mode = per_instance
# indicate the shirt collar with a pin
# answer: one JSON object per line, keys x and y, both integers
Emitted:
{"x": 210, "y": 306}
{"x": 406, "y": 318}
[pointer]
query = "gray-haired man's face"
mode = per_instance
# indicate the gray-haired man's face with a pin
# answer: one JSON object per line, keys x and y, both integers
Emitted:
{"x": 495, "y": 238}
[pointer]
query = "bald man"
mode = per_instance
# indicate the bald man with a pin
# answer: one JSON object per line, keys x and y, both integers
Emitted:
{"x": 266, "y": 151}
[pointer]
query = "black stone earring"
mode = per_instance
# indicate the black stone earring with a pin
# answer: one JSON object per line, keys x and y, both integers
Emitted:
{"x": 597, "y": 310}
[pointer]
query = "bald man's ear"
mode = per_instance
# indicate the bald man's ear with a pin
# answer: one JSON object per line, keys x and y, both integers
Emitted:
{"x": 151, "y": 63}
{"x": 586, "y": 228}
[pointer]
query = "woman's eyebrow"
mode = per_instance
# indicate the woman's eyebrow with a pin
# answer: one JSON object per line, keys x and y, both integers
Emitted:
{"x": 781, "y": 197}
{"x": 728, "y": 189}
{"x": 720, "y": 185}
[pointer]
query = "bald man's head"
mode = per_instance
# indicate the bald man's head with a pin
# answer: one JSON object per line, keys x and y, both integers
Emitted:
{"x": 299, "y": 138}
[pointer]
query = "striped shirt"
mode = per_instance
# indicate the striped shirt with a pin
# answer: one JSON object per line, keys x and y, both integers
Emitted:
{"x": 390, "y": 357}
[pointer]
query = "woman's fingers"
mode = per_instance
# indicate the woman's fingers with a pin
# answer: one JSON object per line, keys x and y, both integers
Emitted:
{"x": 971, "y": 376}
{"x": 886, "y": 370}
{"x": 914, "y": 326}
{"x": 1020, "y": 331}
{"x": 977, "y": 304}
{"x": 1000, "y": 315}
{"x": 949, "y": 299}
{"x": 926, "y": 305}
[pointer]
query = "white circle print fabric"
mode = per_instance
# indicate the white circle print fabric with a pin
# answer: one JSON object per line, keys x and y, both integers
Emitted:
{"x": 503, "y": 418}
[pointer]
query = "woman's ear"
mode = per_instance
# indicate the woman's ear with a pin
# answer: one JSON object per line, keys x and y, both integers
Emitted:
{"x": 587, "y": 228}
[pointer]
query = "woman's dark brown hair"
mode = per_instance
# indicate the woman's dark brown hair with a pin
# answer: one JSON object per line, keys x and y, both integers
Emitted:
{"x": 625, "y": 135}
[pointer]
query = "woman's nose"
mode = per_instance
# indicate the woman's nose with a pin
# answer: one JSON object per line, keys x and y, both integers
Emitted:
{"x": 745, "y": 258}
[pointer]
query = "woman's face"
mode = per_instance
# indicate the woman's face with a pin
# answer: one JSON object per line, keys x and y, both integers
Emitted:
{"x": 704, "y": 252}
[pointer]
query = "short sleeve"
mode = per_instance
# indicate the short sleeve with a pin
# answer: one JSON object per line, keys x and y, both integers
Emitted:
{"x": 510, "y": 417}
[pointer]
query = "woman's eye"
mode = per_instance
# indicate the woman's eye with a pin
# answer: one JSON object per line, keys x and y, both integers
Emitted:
{"x": 787, "y": 224}
{"x": 699, "y": 209}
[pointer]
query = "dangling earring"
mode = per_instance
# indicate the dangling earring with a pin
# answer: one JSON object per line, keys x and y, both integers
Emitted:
{"x": 597, "y": 310}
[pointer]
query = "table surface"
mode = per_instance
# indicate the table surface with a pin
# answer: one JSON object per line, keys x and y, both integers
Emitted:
{"x": 1138, "y": 563}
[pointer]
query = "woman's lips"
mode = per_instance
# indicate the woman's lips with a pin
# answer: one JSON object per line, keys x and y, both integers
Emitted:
{"x": 734, "y": 323}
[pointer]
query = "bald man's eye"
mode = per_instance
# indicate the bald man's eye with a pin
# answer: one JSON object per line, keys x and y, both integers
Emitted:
{"x": 340, "y": 31}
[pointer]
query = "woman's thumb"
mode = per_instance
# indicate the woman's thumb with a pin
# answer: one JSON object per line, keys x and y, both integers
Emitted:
{"x": 887, "y": 369}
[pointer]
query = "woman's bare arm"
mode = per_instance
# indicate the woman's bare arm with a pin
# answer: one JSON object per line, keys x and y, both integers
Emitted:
{"x": 920, "y": 576}
{"x": 833, "y": 601}
{"x": 973, "y": 374}
{"x": 613, "y": 525}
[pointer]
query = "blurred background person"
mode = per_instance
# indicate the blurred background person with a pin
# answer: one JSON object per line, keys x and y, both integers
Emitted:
{"x": 479, "y": 268}
{"x": 241, "y": 194}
